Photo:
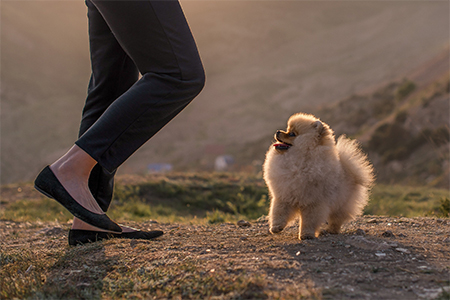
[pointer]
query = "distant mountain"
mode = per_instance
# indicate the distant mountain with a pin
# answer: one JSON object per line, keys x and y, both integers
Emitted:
{"x": 265, "y": 60}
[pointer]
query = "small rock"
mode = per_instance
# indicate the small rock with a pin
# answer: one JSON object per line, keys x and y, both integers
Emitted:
{"x": 262, "y": 219}
{"x": 243, "y": 223}
{"x": 372, "y": 221}
{"x": 53, "y": 231}
{"x": 360, "y": 232}
{"x": 362, "y": 243}
{"x": 244, "y": 238}
{"x": 133, "y": 243}
{"x": 81, "y": 284}
{"x": 446, "y": 240}
{"x": 402, "y": 250}
{"x": 388, "y": 233}
{"x": 402, "y": 235}
{"x": 380, "y": 254}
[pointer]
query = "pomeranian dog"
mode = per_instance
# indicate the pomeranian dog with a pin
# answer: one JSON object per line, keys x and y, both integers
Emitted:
{"x": 312, "y": 177}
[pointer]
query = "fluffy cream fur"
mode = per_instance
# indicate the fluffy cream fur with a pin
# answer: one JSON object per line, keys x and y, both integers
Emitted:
{"x": 315, "y": 179}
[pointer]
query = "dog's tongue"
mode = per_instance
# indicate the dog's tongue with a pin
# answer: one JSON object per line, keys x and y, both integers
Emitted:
{"x": 281, "y": 146}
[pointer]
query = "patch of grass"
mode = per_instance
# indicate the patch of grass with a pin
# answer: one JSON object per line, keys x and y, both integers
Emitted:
{"x": 392, "y": 200}
{"x": 23, "y": 271}
{"x": 218, "y": 198}
{"x": 215, "y": 196}
{"x": 116, "y": 270}
{"x": 444, "y": 208}
{"x": 77, "y": 274}
{"x": 405, "y": 89}
{"x": 186, "y": 279}
{"x": 43, "y": 210}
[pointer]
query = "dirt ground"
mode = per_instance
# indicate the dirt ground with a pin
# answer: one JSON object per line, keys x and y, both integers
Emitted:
{"x": 374, "y": 258}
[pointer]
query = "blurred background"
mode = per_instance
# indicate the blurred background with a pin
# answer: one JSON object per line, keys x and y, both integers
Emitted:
{"x": 377, "y": 71}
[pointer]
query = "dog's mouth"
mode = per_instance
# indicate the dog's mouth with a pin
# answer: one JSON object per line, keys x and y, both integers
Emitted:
{"x": 282, "y": 146}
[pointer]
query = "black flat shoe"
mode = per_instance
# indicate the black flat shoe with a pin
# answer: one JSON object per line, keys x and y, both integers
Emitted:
{"x": 49, "y": 185}
{"x": 77, "y": 236}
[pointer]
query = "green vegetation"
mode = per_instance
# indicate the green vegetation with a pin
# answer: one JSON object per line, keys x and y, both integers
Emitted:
{"x": 405, "y": 89}
{"x": 44, "y": 209}
{"x": 408, "y": 201}
{"x": 195, "y": 198}
{"x": 218, "y": 198}
{"x": 395, "y": 142}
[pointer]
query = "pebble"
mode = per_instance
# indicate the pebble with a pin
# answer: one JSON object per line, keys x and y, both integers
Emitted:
{"x": 388, "y": 233}
{"x": 360, "y": 232}
{"x": 262, "y": 219}
{"x": 52, "y": 231}
{"x": 243, "y": 223}
{"x": 403, "y": 250}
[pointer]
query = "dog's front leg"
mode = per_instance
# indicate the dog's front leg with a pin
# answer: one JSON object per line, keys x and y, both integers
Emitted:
{"x": 280, "y": 214}
{"x": 311, "y": 218}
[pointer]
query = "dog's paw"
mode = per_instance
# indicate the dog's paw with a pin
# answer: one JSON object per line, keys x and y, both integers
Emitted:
{"x": 333, "y": 229}
{"x": 307, "y": 237}
{"x": 276, "y": 229}
{"x": 323, "y": 232}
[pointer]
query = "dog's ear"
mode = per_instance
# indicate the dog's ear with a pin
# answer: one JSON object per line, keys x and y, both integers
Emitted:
{"x": 319, "y": 126}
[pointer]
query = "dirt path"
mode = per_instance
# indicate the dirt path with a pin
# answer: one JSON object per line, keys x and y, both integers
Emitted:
{"x": 374, "y": 258}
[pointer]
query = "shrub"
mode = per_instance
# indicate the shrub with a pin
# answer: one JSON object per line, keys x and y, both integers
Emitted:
{"x": 440, "y": 135}
{"x": 404, "y": 89}
{"x": 401, "y": 117}
{"x": 388, "y": 137}
{"x": 444, "y": 209}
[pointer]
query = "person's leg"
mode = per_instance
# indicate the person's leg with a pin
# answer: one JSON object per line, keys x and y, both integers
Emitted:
{"x": 113, "y": 73}
{"x": 157, "y": 37}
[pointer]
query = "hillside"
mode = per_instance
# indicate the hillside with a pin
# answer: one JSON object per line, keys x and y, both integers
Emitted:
{"x": 403, "y": 125}
{"x": 264, "y": 61}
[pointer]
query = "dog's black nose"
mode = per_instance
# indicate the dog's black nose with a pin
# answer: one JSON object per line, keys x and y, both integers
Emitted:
{"x": 277, "y": 135}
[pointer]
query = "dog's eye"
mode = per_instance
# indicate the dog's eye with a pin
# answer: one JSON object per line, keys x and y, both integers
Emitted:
{"x": 291, "y": 134}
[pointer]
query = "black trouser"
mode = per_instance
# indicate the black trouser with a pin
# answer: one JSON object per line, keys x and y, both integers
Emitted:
{"x": 121, "y": 112}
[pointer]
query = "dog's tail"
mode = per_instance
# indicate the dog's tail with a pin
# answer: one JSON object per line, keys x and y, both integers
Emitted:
{"x": 355, "y": 162}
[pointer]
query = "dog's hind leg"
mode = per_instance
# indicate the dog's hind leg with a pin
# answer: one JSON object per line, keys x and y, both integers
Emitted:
{"x": 311, "y": 218}
{"x": 280, "y": 214}
{"x": 335, "y": 221}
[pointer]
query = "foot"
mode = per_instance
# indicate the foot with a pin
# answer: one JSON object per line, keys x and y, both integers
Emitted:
{"x": 72, "y": 171}
{"x": 80, "y": 225}
{"x": 334, "y": 229}
{"x": 307, "y": 237}
{"x": 276, "y": 229}
{"x": 77, "y": 236}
